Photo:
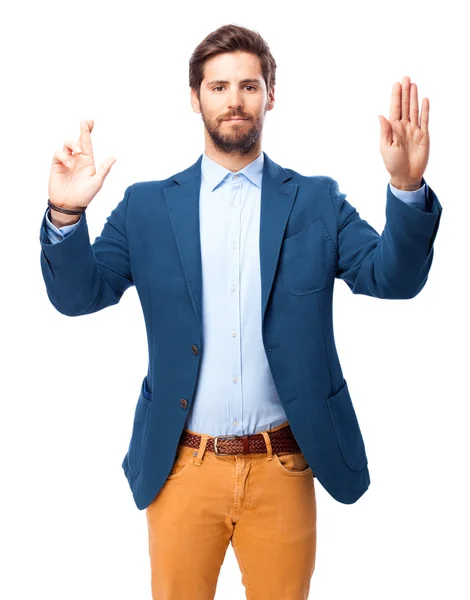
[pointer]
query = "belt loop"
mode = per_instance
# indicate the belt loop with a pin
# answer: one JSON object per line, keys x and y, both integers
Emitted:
{"x": 202, "y": 449}
{"x": 267, "y": 441}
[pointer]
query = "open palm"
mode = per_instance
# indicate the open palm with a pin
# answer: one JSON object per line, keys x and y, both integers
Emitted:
{"x": 404, "y": 138}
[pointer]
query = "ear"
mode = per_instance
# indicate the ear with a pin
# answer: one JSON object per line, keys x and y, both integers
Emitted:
{"x": 271, "y": 100}
{"x": 195, "y": 101}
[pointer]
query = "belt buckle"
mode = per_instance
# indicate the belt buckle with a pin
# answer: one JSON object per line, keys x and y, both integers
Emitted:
{"x": 216, "y": 449}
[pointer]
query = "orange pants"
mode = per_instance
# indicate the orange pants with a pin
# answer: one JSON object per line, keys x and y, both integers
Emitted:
{"x": 264, "y": 504}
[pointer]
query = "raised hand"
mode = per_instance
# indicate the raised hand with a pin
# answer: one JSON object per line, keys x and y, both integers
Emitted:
{"x": 74, "y": 180}
{"x": 404, "y": 138}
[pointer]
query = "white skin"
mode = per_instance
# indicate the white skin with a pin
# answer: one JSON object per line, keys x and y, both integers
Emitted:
{"x": 404, "y": 138}
{"x": 233, "y": 144}
{"x": 74, "y": 180}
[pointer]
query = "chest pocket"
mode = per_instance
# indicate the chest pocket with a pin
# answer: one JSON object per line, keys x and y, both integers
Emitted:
{"x": 308, "y": 260}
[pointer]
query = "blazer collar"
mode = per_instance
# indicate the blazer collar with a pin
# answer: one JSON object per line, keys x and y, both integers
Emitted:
{"x": 182, "y": 200}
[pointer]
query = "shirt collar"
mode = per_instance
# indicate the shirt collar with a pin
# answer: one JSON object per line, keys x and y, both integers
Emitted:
{"x": 213, "y": 173}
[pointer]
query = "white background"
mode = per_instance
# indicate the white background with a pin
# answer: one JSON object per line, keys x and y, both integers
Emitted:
{"x": 69, "y": 527}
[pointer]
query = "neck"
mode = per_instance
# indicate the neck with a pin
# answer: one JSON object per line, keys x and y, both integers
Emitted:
{"x": 232, "y": 161}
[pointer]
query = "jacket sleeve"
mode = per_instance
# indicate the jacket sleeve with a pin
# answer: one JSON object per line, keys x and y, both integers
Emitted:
{"x": 394, "y": 265}
{"x": 80, "y": 277}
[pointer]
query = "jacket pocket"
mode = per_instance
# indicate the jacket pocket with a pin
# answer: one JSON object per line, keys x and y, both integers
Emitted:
{"x": 139, "y": 429}
{"x": 308, "y": 260}
{"x": 346, "y": 428}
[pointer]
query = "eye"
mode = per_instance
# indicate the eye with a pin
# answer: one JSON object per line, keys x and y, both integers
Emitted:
{"x": 221, "y": 86}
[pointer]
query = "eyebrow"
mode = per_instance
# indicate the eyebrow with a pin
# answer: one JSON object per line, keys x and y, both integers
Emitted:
{"x": 220, "y": 81}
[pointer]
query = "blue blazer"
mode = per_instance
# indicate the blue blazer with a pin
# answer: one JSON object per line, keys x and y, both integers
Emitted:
{"x": 309, "y": 236}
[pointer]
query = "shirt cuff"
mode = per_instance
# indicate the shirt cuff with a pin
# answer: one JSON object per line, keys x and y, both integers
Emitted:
{"x": 415, "y": 197}
{"x": 60, "y": 232}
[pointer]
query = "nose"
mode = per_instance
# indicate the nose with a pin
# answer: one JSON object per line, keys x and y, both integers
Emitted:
{"x": 235, "y": 100}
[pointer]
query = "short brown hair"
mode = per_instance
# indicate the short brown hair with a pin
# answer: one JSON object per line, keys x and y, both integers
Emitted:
{"x": 231, "y": 38}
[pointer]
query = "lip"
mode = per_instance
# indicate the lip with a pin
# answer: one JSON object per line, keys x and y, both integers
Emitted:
{"x": 236, "y": 119}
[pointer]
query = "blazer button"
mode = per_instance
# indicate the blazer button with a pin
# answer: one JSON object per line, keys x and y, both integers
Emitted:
{"x": 184, "y": 403}
{"x": 195, "y": 349}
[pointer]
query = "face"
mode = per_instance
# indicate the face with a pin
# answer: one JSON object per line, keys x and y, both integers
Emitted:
{"x": 224, "y": 94}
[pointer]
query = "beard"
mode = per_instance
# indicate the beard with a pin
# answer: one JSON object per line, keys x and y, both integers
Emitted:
{"x": 240, "y": 139}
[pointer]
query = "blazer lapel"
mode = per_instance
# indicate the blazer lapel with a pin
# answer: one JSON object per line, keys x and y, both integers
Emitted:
{"x": 277, "y": 200}
{"x": 182, "y": 201}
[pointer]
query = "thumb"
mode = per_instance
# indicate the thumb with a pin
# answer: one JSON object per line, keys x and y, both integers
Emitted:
{"x": 104, "y": 168}
{"x": 385, "y": 131}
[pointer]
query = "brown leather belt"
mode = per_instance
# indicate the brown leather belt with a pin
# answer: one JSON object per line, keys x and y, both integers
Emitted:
{"x": 282, "y": 442}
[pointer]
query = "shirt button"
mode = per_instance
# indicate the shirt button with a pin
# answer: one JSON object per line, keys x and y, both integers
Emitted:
{"x": 235, "y": 423}
{"x": 184, "y": 403}
{"x": 233, "y": 288}
{"x": 235, "y": 177}
{"x": 234, "y": 246}
{"x": 235, "y": 379}
{"x": 194, "y": 349}
{"x": 234, "y": 334}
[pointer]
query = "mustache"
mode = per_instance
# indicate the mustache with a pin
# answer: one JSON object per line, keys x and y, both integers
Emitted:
{"x": 234, "y": 117}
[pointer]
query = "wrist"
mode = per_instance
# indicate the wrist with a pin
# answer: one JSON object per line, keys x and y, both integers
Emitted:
{"x": 59, "y": 219}
{"x": 406, "y": 185}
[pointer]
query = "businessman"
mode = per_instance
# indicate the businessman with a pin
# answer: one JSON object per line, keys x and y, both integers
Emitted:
{"x": 234, "y": 259}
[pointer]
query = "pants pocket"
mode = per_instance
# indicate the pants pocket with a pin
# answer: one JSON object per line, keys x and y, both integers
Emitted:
{"x": 183, "y": 459}
{"x": 293, "y": 464}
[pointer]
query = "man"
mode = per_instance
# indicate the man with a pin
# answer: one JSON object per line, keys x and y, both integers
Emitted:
{"x": 234, "y": 260}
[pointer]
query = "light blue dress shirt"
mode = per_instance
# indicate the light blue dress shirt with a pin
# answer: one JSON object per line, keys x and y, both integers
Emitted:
{"x": 235, "y": 393}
